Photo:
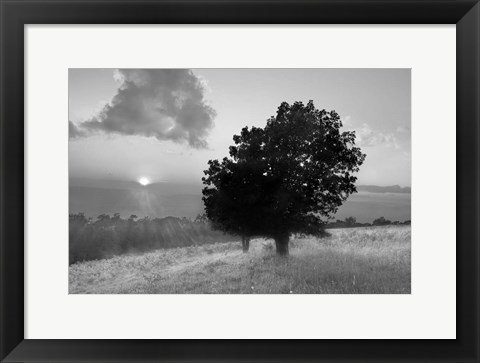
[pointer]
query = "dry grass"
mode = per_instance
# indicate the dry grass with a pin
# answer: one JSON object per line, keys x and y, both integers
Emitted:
{"x": 373, "y": 260}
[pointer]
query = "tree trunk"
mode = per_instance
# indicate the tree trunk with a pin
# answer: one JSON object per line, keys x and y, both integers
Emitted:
{"x": 245, "y": 244}
{"x": 281, "y": 242}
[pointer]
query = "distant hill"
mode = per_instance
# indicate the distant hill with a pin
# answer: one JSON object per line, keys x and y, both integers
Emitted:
{"x": 152, "y": 201}
{"x": 163, "y": 188}
{"x": 161, "y": 200}
{"x": 388, "y": 189}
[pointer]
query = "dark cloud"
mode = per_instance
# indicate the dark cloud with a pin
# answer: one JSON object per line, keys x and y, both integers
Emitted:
{"x": 167, "y": 104}
{"x": 73, "y": 131}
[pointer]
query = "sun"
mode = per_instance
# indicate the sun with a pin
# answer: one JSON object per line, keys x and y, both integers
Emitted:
{"x": 144, "y": 181}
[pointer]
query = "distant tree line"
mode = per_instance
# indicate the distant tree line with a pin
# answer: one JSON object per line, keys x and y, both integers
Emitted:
{"x": 351, "y": 222}
{"x": 107, "y": 236}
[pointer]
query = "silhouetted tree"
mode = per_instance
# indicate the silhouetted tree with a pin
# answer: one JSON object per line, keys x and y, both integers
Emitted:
{"x": 381, "y": 221}
{"x": 233, "y": 207}
{"x": 284, "y": 178}
{"x": 350, "y": 221}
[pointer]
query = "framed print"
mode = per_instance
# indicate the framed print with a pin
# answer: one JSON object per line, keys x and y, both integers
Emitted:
{"x": 154, "y": 209}
{"x": 239, "y": 181}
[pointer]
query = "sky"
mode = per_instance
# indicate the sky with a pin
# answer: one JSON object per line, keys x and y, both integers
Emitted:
{"x": 164, "y": 124}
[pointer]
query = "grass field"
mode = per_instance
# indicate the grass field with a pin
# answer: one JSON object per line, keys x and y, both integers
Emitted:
{"x": 371, "y": 260}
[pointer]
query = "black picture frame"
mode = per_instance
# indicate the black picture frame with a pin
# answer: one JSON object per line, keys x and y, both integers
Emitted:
{"x": 15, "y": 14}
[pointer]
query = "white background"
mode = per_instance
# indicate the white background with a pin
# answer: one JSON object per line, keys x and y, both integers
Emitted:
{"x": 429, "y": 312}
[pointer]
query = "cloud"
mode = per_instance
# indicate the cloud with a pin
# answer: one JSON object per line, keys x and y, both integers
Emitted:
{"x": 73, "y": 131}
{"x": 167, "y": 104}
{"x": 368, "y": 138}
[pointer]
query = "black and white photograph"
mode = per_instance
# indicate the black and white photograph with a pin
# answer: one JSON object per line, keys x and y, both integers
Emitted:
{"x": 239, "y": 181}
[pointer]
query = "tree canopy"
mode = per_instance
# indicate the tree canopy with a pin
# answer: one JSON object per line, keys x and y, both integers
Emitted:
{"x": 288, "y": 177}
